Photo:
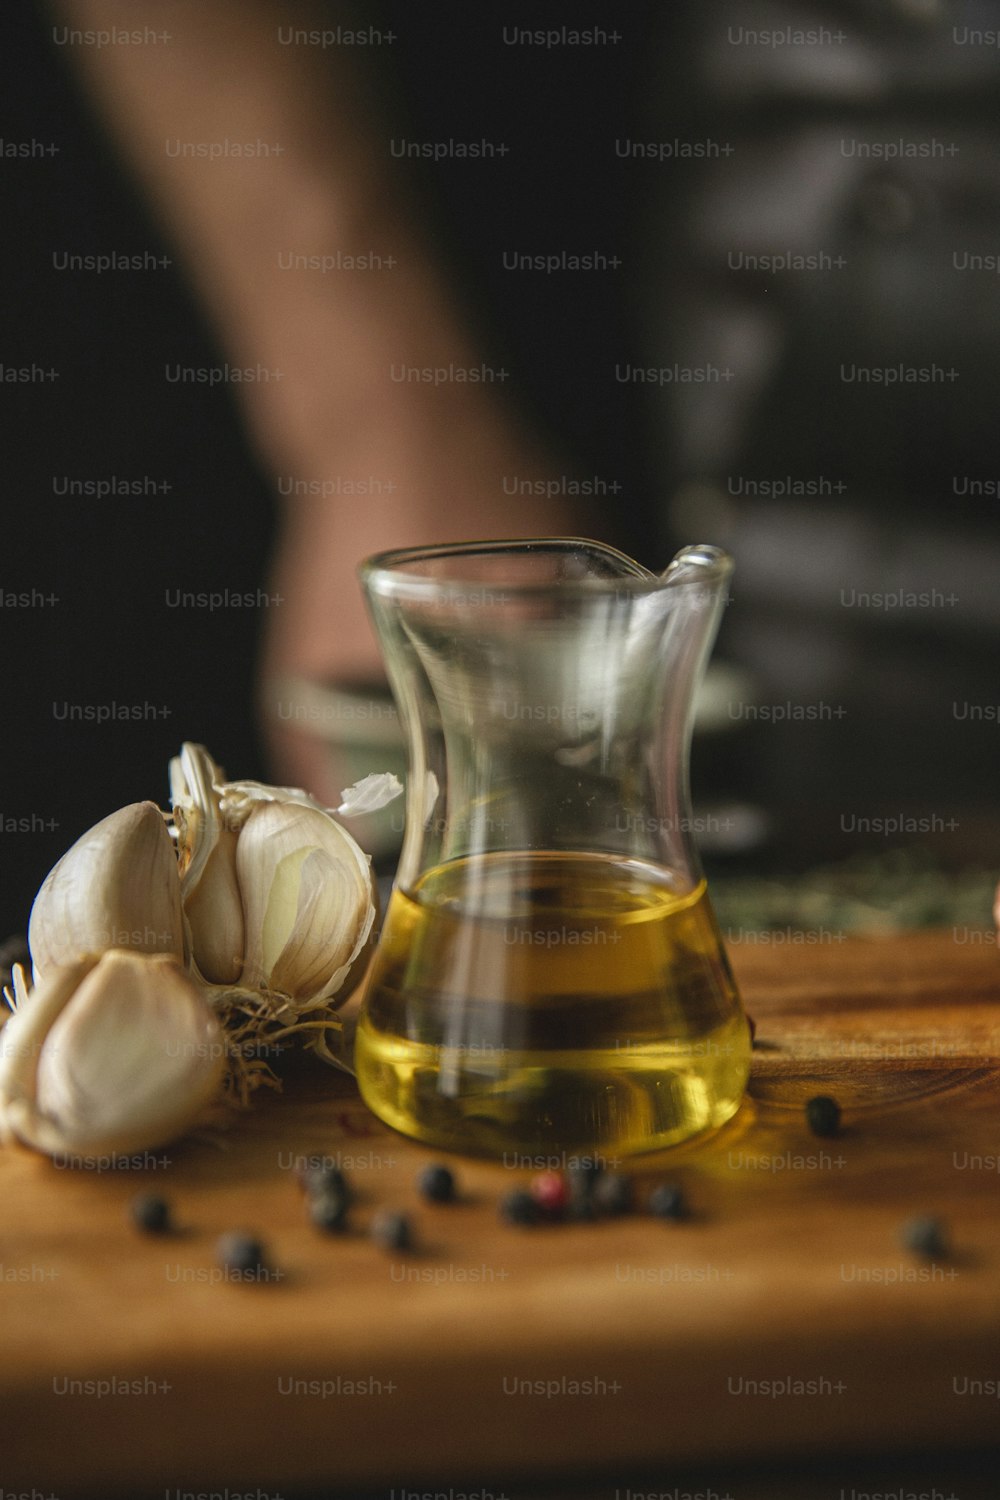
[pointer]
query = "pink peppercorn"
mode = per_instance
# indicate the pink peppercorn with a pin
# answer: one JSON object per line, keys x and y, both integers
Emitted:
{"x": 550, "y": 1191}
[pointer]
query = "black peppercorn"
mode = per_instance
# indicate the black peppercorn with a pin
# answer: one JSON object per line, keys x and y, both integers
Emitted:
{"x": 667, "y": 1201}
{"x": 242, "y": 1253}
{"x": 613, "y": 1193}
{"x": 328, "y": 1211}
{"x": 324, "y": 1179}
{"x": 151, "y": 1213}
{"x": 925, "y": 1236}
{"x": 520, "y": 1207}
{"x": 392, "y": 1230}
{"x": 823, "y": 1115}
{"x": 437, "y": 1183}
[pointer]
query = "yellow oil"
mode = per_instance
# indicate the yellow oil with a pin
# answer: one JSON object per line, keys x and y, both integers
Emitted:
{"x": 551, "y": 1005}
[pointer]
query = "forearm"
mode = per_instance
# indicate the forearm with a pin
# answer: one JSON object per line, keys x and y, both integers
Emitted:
{"x": 224, "y": 77}
{"x": 440, "y": 452}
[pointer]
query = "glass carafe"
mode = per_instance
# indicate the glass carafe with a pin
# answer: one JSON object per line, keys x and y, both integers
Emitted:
{"x": 550, "y": 980}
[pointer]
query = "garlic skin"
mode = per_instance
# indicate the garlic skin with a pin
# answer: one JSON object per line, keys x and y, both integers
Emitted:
{"x": 109, "y": 1056}
{"x": 116, "y": 887}
{"x": 304, "y": 888}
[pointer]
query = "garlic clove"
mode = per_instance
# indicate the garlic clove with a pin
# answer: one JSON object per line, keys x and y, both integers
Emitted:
{"x": 206, "y": 851}
{"x": 214, "y": 915}
{"x": 116, "y": 887}
{"x": 109, "y": 1056}
{"x": 308, "y": 902}
{"x": 24, "y": 1033}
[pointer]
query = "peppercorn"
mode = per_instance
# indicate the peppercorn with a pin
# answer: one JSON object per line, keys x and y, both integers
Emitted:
{"x": 151, "y": 1213}
{"x": 550, "y": 1191}
{"x": 585, "y": 1172}
{"x": 581, "y": 1209}
{"x": 823, "y": 1115}
{"x": 667, "y": 1201}
{"x": 329, "y": 1211}
{"x": 241, "y": 1252}
{"x": 519, "y": 1207}
{"x": 437, "y": 1183}
{"x": 317, "y": 1181}
{"x": 581, "y": 1180}
{"x": 613, "y": 1193}
{"x": 925, "y": 1236}
{"x": 392, "y": 1230}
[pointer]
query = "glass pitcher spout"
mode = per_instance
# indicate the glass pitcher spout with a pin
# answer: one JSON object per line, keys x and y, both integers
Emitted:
{"x": 550, "y": 975}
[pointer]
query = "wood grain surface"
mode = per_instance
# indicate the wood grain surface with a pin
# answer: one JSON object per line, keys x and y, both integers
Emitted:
{"x": 783, "y": 1317}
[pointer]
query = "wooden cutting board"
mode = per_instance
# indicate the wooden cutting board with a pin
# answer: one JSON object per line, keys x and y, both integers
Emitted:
{"x": 784, "y": 1316}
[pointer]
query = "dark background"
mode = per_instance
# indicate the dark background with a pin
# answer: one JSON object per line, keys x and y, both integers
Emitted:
{"x": 111, "y": 637}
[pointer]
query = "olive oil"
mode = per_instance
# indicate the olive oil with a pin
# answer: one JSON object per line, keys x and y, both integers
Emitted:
{"x": 530, "y": 1004}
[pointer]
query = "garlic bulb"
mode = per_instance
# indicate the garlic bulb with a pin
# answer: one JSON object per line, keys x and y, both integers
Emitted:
{"x": 116, "y": 887}
{"x": 266, "y": 902}
{"x": 108, "y": 1055}
{"x": 278, "y": 898}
